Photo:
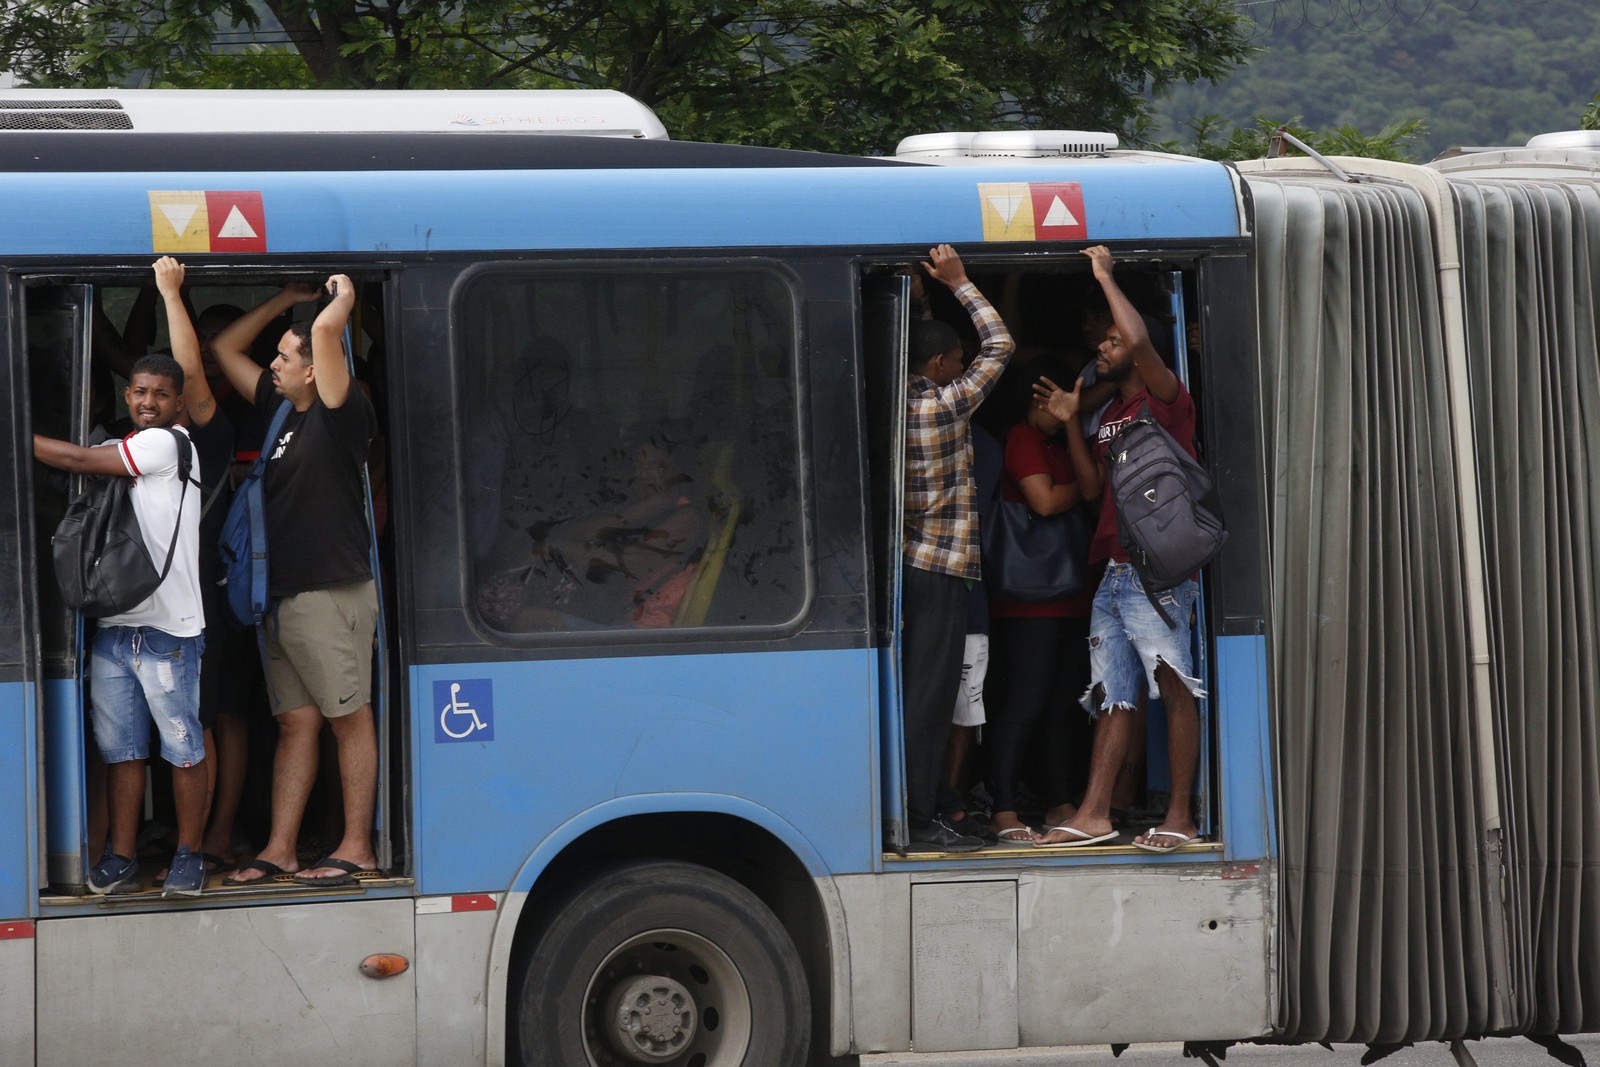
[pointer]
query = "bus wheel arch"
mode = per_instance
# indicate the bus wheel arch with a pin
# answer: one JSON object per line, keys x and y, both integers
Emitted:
{"x": 734, "y": 860}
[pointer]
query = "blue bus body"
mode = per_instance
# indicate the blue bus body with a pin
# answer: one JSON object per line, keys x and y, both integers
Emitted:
{"x": 533, "y": 307}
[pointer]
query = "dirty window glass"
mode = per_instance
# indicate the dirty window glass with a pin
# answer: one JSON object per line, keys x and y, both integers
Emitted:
{"x": 630, "y": 450}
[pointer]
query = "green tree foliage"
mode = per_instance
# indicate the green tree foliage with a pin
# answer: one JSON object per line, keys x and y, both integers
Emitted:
{"x": 1213, "y": 138}
{"x": 1591, "y": 115}
{"x": 1476, "y": 72}
{"x": 843, "y": 75}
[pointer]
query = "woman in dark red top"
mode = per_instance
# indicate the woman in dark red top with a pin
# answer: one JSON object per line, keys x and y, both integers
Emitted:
{"x": 1040, "y": 649}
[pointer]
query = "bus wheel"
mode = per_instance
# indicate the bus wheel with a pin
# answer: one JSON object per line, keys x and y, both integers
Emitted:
{"x": 668, "y": 964}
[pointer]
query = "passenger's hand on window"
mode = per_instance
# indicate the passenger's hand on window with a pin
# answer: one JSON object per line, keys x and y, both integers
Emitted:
{"x": 302, "y": 292}
{"x": 1101, "y": 259}
{"x": 946, "y": 267}
{"x": 169, "y": 276}
{"x": 342, "y": 290}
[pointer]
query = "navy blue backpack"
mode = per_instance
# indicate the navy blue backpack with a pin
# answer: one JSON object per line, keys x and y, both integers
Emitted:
{"x": 244, "y": 537}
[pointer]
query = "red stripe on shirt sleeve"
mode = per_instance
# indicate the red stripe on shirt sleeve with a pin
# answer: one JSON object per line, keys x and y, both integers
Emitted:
{"x": 127, "y": 457}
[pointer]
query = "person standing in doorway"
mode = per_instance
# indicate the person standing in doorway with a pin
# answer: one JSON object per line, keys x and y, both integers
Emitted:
{"x": 941, "y": 540}
{"x": 144, "y": 663}
{"x": 319, "y": 636}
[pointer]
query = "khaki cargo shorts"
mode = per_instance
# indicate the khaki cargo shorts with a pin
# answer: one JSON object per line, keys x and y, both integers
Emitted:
{"x": 319, "y": 649}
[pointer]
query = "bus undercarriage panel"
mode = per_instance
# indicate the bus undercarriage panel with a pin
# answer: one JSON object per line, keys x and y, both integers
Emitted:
{"x": 1077, "y": 950}
{"x": 300, "y": 962}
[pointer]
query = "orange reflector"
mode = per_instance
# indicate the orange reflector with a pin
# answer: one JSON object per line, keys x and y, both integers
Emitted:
{"x": 384, "y": 965}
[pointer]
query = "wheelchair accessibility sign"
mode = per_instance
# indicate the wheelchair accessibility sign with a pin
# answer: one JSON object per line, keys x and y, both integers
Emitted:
{"x": 464, "y": 710}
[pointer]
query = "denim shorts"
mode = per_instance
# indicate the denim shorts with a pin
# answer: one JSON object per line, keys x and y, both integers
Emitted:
{"x": 1127, "y": 639}
{"x": 139, "y": 675}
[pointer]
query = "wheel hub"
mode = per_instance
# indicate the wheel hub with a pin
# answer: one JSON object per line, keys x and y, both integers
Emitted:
{"x": 650, "y": 1019}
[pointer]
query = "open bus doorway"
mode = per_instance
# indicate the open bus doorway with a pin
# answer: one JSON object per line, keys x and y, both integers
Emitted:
{"x": 82, "y": 334}
{"x": 1057, "y": 316}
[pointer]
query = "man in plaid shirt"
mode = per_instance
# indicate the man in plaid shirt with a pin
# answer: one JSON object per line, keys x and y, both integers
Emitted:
{"x": 941, "y": 540}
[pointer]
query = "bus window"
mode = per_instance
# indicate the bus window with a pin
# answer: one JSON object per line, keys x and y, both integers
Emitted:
{"x": 631, "y": 442}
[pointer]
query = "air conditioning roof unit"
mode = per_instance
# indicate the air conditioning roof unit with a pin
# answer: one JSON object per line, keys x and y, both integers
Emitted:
{"x": 1566, "y": 139}
{"x": 934, "y": 146}
{"x": 1036, "y": 144}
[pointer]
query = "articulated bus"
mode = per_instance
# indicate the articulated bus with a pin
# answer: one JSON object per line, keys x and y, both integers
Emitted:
{"x": 612, "y": 835}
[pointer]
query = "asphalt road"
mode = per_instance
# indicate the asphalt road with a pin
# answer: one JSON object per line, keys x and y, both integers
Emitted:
{"x": 1493, "y": 1052}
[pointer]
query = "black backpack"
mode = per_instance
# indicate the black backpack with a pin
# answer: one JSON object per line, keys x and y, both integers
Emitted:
{"x": 1168, "y": 517}
{"x": 101, "y": 561}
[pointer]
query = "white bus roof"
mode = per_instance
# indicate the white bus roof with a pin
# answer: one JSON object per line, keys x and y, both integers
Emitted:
{"x": 598, "y": 112}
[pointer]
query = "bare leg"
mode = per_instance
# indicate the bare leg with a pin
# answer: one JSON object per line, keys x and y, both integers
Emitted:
{"x": 190, "y": 789}
{"x": 124, "y": 795}
{"x": 293, "y": 772}
{"x": 232, "y": 755}
{"x": 1131, "y": 774}
{"x": 956, "y": 752}
{"x": 1060, "y": 813}
{"x": 97, "y": 817}
{"x": 357, "y": 738}
{"x": 1112, "y": 732}
{"x": 1183, "y": 751}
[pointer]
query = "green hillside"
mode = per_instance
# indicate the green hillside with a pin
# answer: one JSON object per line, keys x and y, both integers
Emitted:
{"x": 1477, "y": 72}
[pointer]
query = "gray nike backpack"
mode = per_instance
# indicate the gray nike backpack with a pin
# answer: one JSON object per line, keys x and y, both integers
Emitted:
{"x": 1168, "y": 517}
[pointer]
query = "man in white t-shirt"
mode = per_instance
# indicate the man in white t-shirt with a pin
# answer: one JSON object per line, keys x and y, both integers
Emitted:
{"x": 144, "y": 664}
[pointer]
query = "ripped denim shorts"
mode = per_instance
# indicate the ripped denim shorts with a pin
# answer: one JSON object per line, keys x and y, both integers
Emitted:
{"x": 139, "y": 675}
{"x": 1127, "y": 638}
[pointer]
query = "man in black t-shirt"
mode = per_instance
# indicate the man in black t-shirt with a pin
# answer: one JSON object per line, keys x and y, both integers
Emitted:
{"x": 319, "y": 636}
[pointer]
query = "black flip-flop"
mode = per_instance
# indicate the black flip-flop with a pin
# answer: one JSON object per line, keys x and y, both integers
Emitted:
{"x": 269, "y": 872}
{"x": 351, "y": 873}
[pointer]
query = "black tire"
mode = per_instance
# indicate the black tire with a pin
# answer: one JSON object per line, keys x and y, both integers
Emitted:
{"x": 680, "y": 964}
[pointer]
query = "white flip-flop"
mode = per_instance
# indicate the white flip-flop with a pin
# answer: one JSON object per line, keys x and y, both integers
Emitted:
{"x": 1183, "y": 839}
{"x": 1084, "y": 838}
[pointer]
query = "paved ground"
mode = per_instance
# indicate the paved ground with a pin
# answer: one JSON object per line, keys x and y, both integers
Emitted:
{"x": 1495, "y": 1052}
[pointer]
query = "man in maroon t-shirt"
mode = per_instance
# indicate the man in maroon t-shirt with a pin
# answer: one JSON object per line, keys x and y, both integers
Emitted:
{"x": 1129, "y": 643}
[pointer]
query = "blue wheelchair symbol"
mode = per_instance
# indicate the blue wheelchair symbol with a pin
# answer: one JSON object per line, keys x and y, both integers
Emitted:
{"x": 465, "y": 710}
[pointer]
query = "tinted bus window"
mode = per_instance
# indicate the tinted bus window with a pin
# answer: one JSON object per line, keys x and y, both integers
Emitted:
{"x": 631, "y": 450}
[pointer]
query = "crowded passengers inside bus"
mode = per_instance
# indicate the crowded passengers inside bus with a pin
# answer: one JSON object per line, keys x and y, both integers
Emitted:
{"x": 1033, "y": 657}
{"x": 587, "y": 517}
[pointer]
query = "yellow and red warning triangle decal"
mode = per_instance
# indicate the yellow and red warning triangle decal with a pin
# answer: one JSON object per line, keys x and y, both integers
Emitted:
{"x": 1032, "y": 211}
{"x": 207, "y": 220}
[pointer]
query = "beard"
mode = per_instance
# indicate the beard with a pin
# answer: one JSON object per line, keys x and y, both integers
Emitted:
{"x": 1116, "y": 372}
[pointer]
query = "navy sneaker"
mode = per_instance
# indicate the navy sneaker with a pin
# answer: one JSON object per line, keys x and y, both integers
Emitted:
{"x": 113, "y": 874}
{"x": 186, "y": 877}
